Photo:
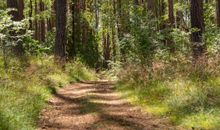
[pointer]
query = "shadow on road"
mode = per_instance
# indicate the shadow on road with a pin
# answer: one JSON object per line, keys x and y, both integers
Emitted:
{"x": 94, "y": 106}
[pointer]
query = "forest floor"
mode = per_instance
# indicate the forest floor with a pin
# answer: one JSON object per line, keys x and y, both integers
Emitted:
{"x": 96, "y": 106}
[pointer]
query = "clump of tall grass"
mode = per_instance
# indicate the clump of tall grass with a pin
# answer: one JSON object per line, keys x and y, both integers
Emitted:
{"x": 188, "y": 94}
{"x": 24, "y": 91}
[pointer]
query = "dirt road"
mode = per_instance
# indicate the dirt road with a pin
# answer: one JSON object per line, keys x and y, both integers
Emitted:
{"x": 95, "y": 106}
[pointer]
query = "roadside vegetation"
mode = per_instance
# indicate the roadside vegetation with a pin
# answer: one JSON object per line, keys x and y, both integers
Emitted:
{"x": 188, "y": 96}
{"x": 25, "y": 91}
{"x": 164, "y": 54}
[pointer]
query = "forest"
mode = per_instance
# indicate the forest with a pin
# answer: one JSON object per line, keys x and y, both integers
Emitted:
{"x": 110, "y": 64}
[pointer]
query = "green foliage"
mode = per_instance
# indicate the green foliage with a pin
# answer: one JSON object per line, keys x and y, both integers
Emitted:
{"x": 13, "y": 33}
{"x": 86, "y": 41}
{"x": 143, "y": 39}
{"x": 49, "y": 43}
{"x": 181, "y": 40}
{"x": 24, "y": 92}
{"x": 212, "y": 33}
{"x": 171, "y": 86}
{"x": 164, "y": 82}
{"x": 174, "y": 89}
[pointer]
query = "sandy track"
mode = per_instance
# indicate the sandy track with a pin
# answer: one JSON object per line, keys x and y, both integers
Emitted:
{"x": 95, "y": 106}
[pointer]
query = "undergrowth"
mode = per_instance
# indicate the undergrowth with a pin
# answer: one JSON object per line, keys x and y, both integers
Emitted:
{"x": 24, "y": 91}
{"x": 189, "y": 96}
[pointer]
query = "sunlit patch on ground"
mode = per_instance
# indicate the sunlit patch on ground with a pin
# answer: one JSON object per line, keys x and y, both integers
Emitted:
{"x": 95, "y": 106}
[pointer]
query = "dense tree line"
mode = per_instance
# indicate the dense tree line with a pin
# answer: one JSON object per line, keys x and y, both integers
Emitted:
{"x": 99, "y": 31}
{"x": 164, "y": 54}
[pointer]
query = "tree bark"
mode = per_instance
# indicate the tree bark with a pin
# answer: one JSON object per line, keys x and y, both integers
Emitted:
{"x": 106, "y": 49}
{"x": 42, "y": 22}
{"x": 61, "y": 19}
{"x": 218, "y": 13}
{"x": 17, "y": 15}
{"x": 171, "y": 14}
{"x": 30, "y": 15}
{"x": 171, "y": 25}
{"x": 36, "y": 28}
{"x": 197, "y": 22}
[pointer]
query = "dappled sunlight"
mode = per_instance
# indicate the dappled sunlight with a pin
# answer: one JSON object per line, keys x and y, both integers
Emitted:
{"x": 95, "y": 106}
{"x": 109, "y": 64}
{"x": 110, "y": 102}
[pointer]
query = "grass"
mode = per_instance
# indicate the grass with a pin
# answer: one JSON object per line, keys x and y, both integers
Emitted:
{"x": 189, "y": 101}
{"x": 24, "y": 92}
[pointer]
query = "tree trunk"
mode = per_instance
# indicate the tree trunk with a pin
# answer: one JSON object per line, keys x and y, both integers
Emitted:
{"x": 151, "y": 7}
{"x": 171, "y": 25}
{"x": 197, "y": 21}
{"x": 106, "y": 49}
{"x": 42, "y": 23}
{"x": 30, "y": 15}
{"x": 36, "y": 28}
{"x": 218, "y": 13}
{"x": 171, "y": 15}
{"x": 96, "y": 14}
{"x": 61, "y": 19}
{"x": 17, "y": 15}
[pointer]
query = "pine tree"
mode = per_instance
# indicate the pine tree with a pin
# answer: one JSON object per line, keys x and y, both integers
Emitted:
{"x": 61, "y": 19}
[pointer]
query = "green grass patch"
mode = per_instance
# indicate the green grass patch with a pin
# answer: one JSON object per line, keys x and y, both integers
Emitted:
{"x": 24, "y": 92}
{"x": 187, "y": 103}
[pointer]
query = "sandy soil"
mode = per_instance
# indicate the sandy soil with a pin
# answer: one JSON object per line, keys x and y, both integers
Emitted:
{"x": 95, "y": 106}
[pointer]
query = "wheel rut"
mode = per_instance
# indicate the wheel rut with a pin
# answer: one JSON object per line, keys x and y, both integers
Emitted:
{"x": 95, "y": 106}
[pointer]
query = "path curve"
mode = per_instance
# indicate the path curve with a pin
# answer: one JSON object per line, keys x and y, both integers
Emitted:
{"x": 95, "y": 106}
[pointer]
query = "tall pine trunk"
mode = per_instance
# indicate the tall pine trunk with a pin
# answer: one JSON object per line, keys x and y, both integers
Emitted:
{"x": 171, "y": 12}
{"x": 30, "y": 15}
{"x": 61, "y": 20}
{"x": 218, "y": 12}
{"x": 197, "y": 22}
{"x": 17, "y": 15}
{"x": 36, "y": 28}
{"x": 171, "y": 24}
{"x": 42, "y": 22}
